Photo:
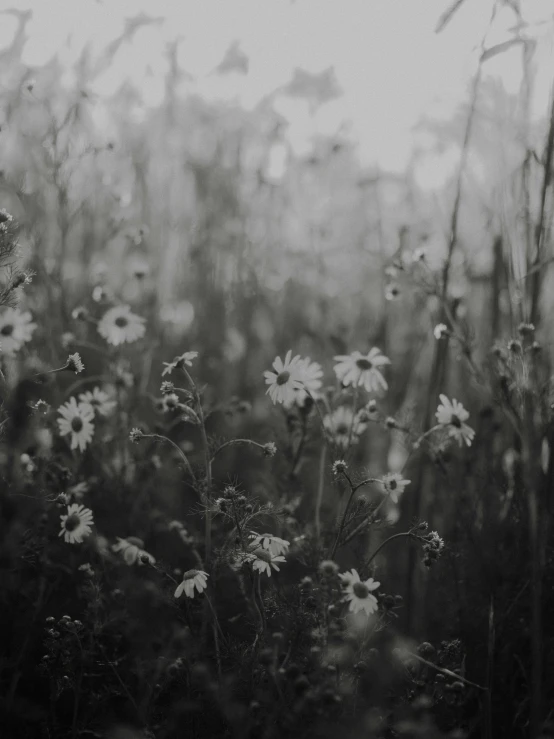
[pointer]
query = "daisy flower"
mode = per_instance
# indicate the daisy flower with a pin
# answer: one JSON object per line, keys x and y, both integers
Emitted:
{"x": 79, "y": 313}
{"x": 358, "y": 593}
{"x": 132, "y": 550}
{"x": 264, "y": 559}
{"x": 362, "y": 369}
{"x": 76, "y": 419}
{"x": 192, "y": 579}
{"x": 338, "y": 426}
{"x": 76, "y": 525}
{"x": 16, "y": 329}
{"x": 183, "y": 360}
{"x": 309, "y": 374}
{"x": 394, "y": 485}
{"x": 440, "y": 331}
{"x": 452, "y": 414}
{"x": 98, "y": 400}
{"x": 392, "y": 291}
{"x": 118, "y": 326}
{"x": 273, "y": 543}
{"x": 285, "y": 380}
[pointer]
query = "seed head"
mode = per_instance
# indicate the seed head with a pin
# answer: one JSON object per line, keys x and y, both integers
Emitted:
{"x": 75, "y": 363}
{"x": 135, "y": 435}
{"x": 269, "y": 449}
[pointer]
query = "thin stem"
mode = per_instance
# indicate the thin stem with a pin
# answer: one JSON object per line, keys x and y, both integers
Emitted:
{"x": 318, "y": 409}
{"x": 320, "y": 486}
{"x": 176, "y": 447}
{"x": 236, "y": 441}
{"x": 120, "y": 681}
{"x": 255, "y": 601}
{"x": 353, "y": 489}
{"x": 208, "y": 465}
{"x": 366, "y": 522}
{"x": 540, "y": 231}
{"x": 444, "y": 671}
{"x": 394, "y": 536}
{"x": 365, "y": 482}
{"x": 50, "y": 372}
{"x": 299, "y": 449}
{"x": 237, "y": 524}
{"x": 216, "y": 620}
{"x": 417, "y": 442}
{"x": 354, "y": 409}
{"x": 262, "y": 607}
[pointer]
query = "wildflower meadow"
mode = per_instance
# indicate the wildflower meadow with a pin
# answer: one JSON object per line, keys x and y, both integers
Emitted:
{"x": 275, "y": 451}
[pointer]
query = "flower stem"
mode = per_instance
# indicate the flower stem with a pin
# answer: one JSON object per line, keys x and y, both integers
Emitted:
{"x": 208, "y": 466}
{"x": 353, "y": 489}
{"x": 175, "y": 446}
{"x": 394, "y": 536}
{"x": 369, "y": 520}
{"x": 354, "y": 410}
{"x": 320, "y": 486}
{"x": 216, "y": 620}
{"x": 235, "y": 441}
{"x": 444, "y": 671}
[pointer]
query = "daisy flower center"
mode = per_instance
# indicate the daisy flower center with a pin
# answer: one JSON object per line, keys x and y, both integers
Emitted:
{"x": 342, "y": 429}
{"x": 455, "y": 421}
{"x": 364, "y": 364}
{"x": 72, "y": 522}
{"x": 121, "y": 321}
{"x": 7, "y": 330}
{"x": 393, "y": 484}
{"x": 76, "y": 424}
{"x": 360, "y": 590}
{"x": 283, "y": 378}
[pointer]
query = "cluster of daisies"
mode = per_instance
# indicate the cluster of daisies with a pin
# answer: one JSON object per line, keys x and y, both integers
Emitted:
{"x": 293, "y": 379}
{"x": 265, "y": 553}
{"x": 117, "y": 326}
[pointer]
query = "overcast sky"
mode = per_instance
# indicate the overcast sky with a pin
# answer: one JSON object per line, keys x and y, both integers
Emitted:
{"x": 390, "y": 64}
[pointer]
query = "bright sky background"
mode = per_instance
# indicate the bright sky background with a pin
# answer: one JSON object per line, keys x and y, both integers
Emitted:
{"x": 387, "y": 58}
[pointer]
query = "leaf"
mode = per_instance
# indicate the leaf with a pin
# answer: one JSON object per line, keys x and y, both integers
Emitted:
{"x": 499, "y": 48}
{"x": 446, "y": 17}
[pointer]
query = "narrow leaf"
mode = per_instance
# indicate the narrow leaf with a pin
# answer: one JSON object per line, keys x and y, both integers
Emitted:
{"x": 446, "y": 17}
{"x": 499, "y": 48}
